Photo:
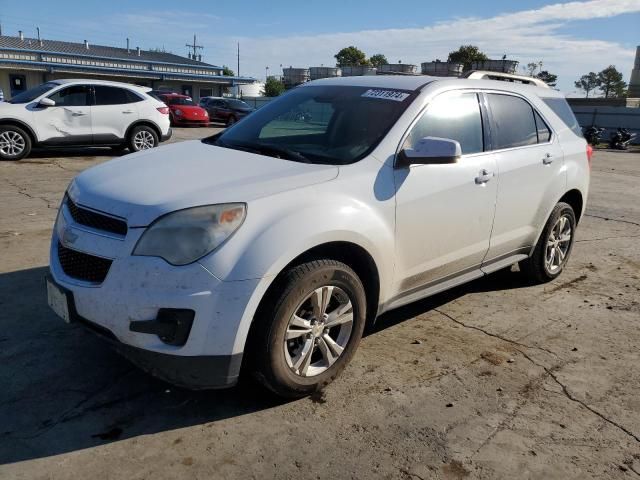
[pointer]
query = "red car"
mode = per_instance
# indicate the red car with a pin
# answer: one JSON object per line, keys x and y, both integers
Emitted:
{"x": 183, "y": 111}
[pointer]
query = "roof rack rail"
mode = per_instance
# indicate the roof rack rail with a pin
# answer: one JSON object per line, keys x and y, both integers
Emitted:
{"x": 505, "y": 77}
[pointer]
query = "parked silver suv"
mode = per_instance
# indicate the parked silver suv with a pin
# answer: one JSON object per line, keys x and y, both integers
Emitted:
{"x": 272, "y": 243}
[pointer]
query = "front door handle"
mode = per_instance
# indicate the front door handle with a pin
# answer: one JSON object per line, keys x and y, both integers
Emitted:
{"x": 484, "y": 177}
{"x": 548, "y": 159}
{"x": 127, "y": 111}
{"x": 78, "y": 114}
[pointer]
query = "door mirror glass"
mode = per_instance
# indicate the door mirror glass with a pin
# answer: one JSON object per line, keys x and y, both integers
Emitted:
{"x": 46, "y": 102}
{"x": 430, "y": 151}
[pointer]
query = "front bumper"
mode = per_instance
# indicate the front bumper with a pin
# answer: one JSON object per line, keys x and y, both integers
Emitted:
{"x": 191, "y": 121}
{"x": 135, "y": 289}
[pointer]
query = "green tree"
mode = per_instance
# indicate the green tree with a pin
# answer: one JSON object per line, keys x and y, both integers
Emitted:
{"x": 273, "y": 87}
{"x": 378, "y": 59}
{"x": 467, "y": 54}
{"x": 547, "y": 77}
{"x": 532, "y": 67}
{"x": 610, "y": 82}
{"x": 227, "y": 72}
{"x": 351, "y": 56}
{"x": 587, "y": 83}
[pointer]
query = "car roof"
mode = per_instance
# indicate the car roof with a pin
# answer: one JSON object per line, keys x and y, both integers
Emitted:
{"x": 401, "y": 82}
{"x": 90, "y": 81}
{"x": 419, "y": 82}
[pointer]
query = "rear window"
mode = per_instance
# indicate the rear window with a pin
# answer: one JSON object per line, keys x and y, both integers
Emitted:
{"x": 561, "y": 108}
{"x": 107, "y": 95}
{"x": 515, "y": 125}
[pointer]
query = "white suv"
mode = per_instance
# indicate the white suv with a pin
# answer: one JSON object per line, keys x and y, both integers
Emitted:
{"x": 64, "y": 113}
{"x": 271, "y": 245}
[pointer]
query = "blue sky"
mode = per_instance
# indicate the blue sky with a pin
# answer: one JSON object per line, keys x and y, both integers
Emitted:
{"x": 571, "y": 38}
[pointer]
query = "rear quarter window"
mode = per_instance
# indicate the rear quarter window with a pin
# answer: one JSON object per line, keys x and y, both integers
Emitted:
{"x": 561, "y": 108}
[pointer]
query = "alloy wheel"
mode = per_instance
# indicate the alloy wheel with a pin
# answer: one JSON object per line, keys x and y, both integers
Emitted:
{"x": 143, "y": 140}
{"x": 319, "y": 331}
{"x": 12, "y": 143}
{"x": 558, "y": 244}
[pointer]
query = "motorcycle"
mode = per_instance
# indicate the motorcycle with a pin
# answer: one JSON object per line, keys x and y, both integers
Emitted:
{"x": 621, "y": 139}
{"x": 593, "y": 134}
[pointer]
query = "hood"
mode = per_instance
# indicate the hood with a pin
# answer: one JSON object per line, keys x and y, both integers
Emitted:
{"x": 145, "y": 185}
{"x": 189, "y": 109}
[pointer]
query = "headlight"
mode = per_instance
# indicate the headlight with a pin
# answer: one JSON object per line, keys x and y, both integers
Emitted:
{"x": 178, "y": 112}
{"x": 184, "y": 236}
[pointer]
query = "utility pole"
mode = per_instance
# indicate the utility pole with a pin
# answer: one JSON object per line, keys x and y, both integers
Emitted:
{"x": 195, "y": 47}
{"x": 238, "y": 72}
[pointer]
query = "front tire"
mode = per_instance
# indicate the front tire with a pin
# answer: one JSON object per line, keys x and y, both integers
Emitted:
{"x": 15, "y": 143}
{"x": 309, "y": 331}
{"x": 554, "y": 246}
{"x": 231, "y": 120}
{"x": 142, "y": 137}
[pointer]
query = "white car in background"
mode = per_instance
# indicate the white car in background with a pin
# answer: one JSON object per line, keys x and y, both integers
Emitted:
{"x": 79, "y": 113}
{"x": 271, "y": 244}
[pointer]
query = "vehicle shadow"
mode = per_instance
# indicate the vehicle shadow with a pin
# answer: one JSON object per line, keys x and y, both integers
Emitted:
{"x": 76, "y": 152}
{"x": 64, "y": 389}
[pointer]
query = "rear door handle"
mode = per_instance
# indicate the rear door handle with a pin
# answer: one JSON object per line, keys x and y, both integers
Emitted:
{"x": 127, "y": 111}
{"x": 484, "y": 177}
{"x": 78, "y": 114}
{"x": 548, "y": 159}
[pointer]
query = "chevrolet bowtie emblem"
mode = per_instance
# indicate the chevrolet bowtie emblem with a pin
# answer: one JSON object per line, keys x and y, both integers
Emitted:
{"x": 68, "y": 236}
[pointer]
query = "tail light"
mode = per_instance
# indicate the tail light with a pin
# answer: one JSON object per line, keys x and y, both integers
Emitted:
{"x": 589, "y": 154}
{"x": 163, "y": 110}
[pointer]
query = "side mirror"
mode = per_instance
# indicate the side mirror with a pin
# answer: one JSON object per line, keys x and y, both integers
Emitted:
{"x": 430, "y": 151}
{"x": 46, "y": 102}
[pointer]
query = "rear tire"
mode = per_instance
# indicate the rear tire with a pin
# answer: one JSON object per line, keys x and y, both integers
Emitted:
{"x": 554, "y": 246}
{"x": 309, "y": 329}
{"x": 15, "y": 143}
{"x": 142, "y": 137}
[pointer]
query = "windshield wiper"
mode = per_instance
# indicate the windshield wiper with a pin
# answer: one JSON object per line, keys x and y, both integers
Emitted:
{"x": 268, "y": 149}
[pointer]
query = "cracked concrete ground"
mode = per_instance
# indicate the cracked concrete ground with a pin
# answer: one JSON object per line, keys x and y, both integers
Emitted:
{"x": 495, "y": 379}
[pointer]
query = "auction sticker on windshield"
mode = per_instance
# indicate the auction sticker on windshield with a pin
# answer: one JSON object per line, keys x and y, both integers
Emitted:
{"x": 386, "y": 94}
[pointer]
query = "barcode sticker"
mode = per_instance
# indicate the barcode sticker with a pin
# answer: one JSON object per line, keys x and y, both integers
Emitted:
{"x": 386, "y": 94}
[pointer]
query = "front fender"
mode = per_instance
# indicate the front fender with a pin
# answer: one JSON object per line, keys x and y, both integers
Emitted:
{"x": 280, "y": 228}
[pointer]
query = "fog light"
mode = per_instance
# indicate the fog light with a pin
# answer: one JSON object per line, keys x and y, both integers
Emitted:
{"x": 172, "y": 325}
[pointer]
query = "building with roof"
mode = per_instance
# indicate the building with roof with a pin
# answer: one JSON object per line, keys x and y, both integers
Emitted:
{"x": 28, "y": 62}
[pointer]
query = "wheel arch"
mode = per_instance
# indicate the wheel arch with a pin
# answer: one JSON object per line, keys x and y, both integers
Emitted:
{"x": 23, "y": 126}
{"x": 575, "y": 199}
{"x": 147, "y": 123}
{"x": 349, "y": 253}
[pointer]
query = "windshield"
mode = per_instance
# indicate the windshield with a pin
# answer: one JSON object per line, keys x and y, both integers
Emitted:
{"x": 237, "y": 104}
{"x": 33, "y": 93}
{"x": 319, "y": 124}
{"x": 179, "y": 101}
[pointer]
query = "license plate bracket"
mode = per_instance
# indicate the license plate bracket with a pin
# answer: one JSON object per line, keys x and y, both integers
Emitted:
{"x": 59, "y": 299}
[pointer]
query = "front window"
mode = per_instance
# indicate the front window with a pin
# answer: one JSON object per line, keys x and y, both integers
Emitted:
{"x": 319, "y": 124}
{"x": 453, "y": 116}
{"x": 33, "y": 93}
{"x": 73, "y": 96}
